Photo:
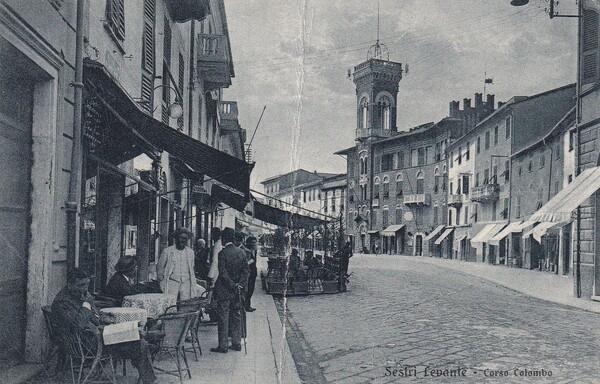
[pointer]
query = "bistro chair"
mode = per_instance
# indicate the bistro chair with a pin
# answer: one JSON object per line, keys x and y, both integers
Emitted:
{"x": 84, "y": 350}
{"x": 55, "y": 347}
{"x": 196, "y": 304}
{"x": 176, "y": 327}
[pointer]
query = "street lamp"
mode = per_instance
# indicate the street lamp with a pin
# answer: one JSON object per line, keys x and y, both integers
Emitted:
{"x": 551, "y": 12}
{"x": 175, "y": 109}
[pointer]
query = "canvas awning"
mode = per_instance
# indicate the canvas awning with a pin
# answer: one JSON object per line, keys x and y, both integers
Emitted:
{"x": 487, "y": 233}
{"x": 558, "y": 209}
{"x": 458, "y": 239}
{"x": 373, "y": 232}
{"x": 541, "y": 229}
{"x": 104, "y": 91}
{"x": 434, "y": 233}
{"x": 391, "y": 230}
{"x": 512, "y": 227}
{"x": 443, "y": 236}
{"x": 524, "y": 225}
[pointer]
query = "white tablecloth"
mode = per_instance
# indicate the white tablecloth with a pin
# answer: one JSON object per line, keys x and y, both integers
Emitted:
{"x": 155, "y": 304}
{"x": 122, "y": 315}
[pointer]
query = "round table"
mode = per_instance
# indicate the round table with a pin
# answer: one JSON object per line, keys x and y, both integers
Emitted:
{"x": 127, "y": 314}
{"x": 155, "y": 304}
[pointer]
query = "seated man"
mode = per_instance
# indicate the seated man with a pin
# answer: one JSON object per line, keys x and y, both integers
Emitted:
{"x": 73, "y": 309}
{"x": 120, "y": 284}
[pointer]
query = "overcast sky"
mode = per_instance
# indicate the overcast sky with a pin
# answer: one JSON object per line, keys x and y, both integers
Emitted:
{"x": 294, "y": 56}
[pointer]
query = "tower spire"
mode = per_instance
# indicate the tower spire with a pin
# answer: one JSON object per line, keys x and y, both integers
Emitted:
{"x": 377, "y": 50}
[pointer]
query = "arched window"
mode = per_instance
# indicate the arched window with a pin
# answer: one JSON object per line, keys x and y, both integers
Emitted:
{"x": 436, "y": 213}
{"x": 385, "y": 108}
{"x": 399, "y": 214}
{"x": 376, "y": 188}
{"x": 385, "y": 216}
{"x": 363, "y": 112}
{"x": 363, "y": 166}
{"x": 399, "y": 186}
{"x": 436, "y": 180}
{"x": 420, "y": 183}
{"x": 386, "y": 187}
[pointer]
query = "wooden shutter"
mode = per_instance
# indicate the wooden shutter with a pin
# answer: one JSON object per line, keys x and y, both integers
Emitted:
{"x": 115, "y": 12}
{"x": 589, "y": 64}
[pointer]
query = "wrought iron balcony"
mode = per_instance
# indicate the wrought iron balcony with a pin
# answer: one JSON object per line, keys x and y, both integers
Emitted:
{"x": 485, "y": 193}
{"x": 417, "y": 199}
{"x": 214, "y": 64}
{"x": 456, "y": 200}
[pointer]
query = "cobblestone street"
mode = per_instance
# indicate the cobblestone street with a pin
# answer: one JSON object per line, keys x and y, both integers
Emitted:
{"x": 400, "y": 312}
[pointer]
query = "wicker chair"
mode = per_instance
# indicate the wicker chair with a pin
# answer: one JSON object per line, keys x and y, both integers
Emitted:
{"x": 84, "y": 350}
{"x": 194, "y": 305}
{"x": 176, "y": 327}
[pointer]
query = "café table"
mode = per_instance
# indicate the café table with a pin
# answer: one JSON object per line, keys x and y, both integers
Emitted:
{"x": 155, "y": 304}
{"x": 122, "y": 314}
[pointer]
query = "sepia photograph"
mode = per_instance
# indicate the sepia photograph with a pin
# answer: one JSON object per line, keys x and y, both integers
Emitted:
{"x": 299, "y": 191}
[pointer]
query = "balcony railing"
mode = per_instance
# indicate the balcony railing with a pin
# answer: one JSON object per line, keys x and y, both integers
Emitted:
{"x": 213, "y": 61}
{"x": 456, "y": 200}
{"x": 417, "y": 199}
{"x": 485, "y": 193}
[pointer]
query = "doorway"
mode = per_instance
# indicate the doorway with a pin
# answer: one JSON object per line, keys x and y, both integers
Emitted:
{"x": 418, "y": 245}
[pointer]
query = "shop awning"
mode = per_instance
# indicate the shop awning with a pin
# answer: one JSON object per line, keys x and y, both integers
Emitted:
{"x": 541, "y": 229}
{"x": 434, "y": 233}
{"x": 391, "y": 230}
{"x": 487, "y": 233}
{"x": 443, "y": 236}
{"x": 458, "y": 239}
{"x": 373, "y": 232}
{"x": 524, "y": 225}
{"x": 558, "y": 209}
{"x": 512, "y": 227}
{"x": 200, "y": 157}
{"x": 283, "y": 218}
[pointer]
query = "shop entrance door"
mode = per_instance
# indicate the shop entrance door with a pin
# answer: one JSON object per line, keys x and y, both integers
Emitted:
{"x": 16, "y": 103}
{"x": 418, "y": 245}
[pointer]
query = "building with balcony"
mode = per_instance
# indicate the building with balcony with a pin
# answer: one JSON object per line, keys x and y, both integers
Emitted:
{"x": 480, "y": 161}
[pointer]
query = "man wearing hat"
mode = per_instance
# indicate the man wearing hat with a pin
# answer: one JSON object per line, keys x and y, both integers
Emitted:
{"x": 175, "y": 268}
{"x": 120, "y": 284}
{"x": 73, "y": 310}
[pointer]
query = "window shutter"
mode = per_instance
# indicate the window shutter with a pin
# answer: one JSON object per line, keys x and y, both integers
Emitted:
{"x": 590, "y": 47}
{"x": 116, "y": 18}
{"x": 147, "y": 91}
{"x": 148, "y": 47}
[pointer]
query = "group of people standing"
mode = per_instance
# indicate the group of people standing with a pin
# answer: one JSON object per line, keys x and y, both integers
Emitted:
{"x": 229, "y": 268}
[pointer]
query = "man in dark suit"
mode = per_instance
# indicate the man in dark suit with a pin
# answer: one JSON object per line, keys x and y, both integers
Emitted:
{"x": 73, "y": 310}
{"x": 120, "y": 284}
{"x": 251, "y": 257}
{"x": 231, "y": 283}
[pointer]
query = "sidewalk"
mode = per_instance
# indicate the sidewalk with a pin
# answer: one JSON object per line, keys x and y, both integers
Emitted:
{"x": 268, "y": 361}
{"x": 542, "y": 285}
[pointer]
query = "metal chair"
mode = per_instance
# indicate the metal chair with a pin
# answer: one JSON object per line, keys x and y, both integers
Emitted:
{"x": 176, "y": 327}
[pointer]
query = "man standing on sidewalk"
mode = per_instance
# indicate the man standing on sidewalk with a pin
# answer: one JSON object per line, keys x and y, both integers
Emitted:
{"x": 232, "y": 281}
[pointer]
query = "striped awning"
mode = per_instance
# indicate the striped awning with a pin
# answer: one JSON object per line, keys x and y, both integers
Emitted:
{"x": 559, "y": 208}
